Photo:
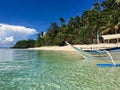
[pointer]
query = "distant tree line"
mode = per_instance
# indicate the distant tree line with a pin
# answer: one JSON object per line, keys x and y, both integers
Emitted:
{"x": 25, "y": 44}
{"x": 103, "y": 18}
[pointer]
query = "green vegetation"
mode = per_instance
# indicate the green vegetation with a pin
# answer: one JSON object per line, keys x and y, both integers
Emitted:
{"x": 103, "y": 18}
{"x": 25, "y": 44}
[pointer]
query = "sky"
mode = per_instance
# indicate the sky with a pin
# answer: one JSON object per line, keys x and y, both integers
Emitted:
{"x": 24, "y": 19}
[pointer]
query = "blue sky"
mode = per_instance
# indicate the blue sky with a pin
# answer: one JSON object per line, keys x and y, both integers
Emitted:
{"x": 38, "y": 14}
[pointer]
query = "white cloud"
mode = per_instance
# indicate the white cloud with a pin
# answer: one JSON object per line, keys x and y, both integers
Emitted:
{"x": 9, "y": 34}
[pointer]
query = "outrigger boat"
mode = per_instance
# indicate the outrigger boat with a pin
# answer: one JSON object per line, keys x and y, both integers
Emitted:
{"x": 88, "y": 55}
{"x": 113, "y": 49}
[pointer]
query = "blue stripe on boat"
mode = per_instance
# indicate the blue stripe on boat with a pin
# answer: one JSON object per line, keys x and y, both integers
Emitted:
{"x": 117, "y": 65}
{"x": 107, "y": 65}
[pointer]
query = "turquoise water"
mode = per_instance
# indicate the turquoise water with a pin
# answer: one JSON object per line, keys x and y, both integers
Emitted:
{"x": 53, "y": 70}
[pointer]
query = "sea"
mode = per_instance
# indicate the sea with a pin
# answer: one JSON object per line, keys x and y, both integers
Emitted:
{"x": 22, "y": 69}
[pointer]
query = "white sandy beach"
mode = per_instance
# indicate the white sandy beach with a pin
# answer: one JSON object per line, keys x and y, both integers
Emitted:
{"x": 68, "y": 48}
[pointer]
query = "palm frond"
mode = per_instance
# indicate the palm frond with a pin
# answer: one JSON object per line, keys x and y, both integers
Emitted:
{"x": 105, "y": 31}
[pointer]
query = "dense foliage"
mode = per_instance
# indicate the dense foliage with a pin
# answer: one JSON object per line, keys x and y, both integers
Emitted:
{"x": 25, "y": 44}
{"x": 103, "y": 18}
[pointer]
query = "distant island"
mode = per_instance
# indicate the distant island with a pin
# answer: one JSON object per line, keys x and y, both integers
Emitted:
{"x": 102, "y": 18}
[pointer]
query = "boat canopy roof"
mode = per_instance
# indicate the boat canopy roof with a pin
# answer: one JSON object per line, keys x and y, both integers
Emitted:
{"x": 112, "y": 36}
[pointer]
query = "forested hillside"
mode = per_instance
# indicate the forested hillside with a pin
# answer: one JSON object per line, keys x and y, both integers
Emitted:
{"x": 102, "y": 17}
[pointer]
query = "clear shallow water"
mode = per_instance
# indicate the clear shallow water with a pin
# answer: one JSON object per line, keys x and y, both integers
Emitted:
{"x": 53, "y": 70}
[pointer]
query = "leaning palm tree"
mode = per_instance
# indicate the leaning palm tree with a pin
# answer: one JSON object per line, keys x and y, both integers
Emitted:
{"x": 117, "y": 1}
{"x": 112, "y": 16}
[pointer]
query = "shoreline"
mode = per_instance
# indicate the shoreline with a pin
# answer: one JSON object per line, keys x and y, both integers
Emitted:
{"x": 68, "y": 48}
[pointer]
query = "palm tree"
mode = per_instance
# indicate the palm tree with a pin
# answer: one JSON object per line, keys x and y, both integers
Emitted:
{"x": 61, "y": 21}
{"x": 111, "y": 10}
{"x": 71, "y": 22}
{"x": 118, "y": 1}
{"x": 96, "y": 5}
{"x": 77, "y": 22}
